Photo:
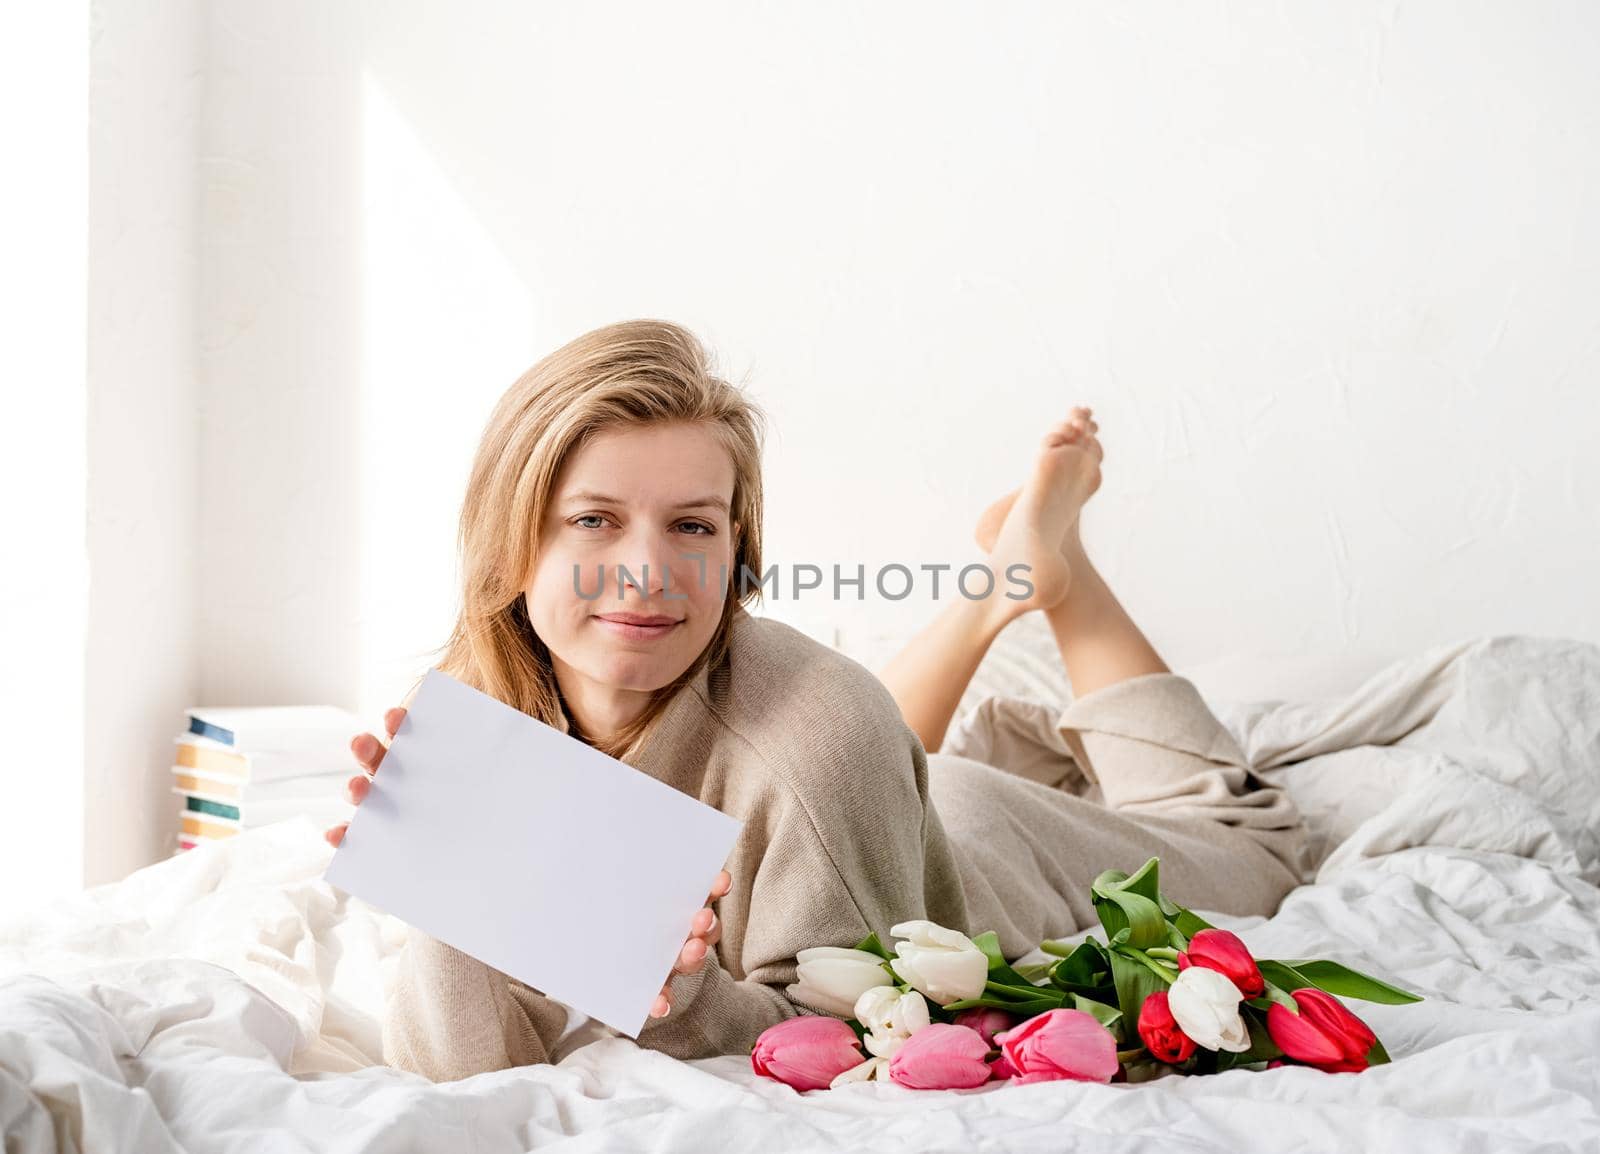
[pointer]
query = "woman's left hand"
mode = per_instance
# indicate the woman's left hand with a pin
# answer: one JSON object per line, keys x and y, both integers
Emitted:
{"x": 705, "y": 931}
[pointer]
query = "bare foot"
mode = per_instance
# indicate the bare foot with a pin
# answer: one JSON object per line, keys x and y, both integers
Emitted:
{"x": 1037, "y": 525}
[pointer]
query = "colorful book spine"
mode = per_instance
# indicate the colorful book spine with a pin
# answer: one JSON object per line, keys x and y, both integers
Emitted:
{"x": 238, "y": 768}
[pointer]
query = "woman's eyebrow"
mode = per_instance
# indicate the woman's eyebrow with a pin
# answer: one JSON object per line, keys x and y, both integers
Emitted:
{"x": 705, "y": 503}
{"x": 607, "y": 499}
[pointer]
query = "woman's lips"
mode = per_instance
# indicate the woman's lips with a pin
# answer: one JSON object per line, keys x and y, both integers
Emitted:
{"x": 637, "y": 630}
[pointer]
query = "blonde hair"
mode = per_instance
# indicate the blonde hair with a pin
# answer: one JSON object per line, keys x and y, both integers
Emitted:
{"x": 631, "y": 373}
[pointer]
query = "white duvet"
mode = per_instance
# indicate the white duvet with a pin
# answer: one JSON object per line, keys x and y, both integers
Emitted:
{"x": 228, "y": 999}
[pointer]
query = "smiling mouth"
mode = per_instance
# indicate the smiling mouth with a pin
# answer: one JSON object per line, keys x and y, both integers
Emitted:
{"x": 637, "y": 627}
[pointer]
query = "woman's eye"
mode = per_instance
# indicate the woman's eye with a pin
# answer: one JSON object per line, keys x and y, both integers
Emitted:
{"x": 588, "y": 517}
{"x": 701, "y": 530}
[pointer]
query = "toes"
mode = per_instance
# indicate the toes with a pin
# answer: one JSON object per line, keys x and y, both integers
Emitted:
{"x": 1079, "y": 428}
{"x": 1063, "y": 434}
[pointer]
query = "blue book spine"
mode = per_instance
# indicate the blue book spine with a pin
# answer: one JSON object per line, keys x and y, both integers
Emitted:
{"x": 215, "y": 732}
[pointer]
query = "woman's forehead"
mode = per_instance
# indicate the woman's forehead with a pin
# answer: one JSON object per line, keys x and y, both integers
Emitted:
{"x": 675, "y": 465}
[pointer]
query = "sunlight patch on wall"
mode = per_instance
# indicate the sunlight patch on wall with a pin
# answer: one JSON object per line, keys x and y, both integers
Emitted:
{"x": 446, "y": 327}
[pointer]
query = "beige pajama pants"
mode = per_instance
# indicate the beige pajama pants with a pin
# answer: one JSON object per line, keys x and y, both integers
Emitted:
{"x": 1037, "y": 800}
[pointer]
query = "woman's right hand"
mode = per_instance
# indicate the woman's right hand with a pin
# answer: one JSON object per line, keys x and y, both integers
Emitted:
{"x": 369, "y": 752}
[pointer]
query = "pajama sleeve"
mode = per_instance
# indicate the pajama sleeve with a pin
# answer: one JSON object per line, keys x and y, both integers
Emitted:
{"x": 852, "y": 847}
{"x": 450, "y": 1016}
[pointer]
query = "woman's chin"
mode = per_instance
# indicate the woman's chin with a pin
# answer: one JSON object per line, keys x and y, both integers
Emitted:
{"x": 638, "y": 672}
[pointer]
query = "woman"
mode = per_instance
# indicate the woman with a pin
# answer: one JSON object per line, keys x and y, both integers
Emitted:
{"x": 627, "y": 459}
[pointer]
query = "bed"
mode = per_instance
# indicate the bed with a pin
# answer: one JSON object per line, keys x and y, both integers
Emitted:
{"x": 229, "y": 999}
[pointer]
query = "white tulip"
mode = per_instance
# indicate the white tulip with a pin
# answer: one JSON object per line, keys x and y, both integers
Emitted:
{"x": 890, "y": 1018}
{"x": 881, "y": 1044}
{"x": 1205, "y": 1004}
{"x": 886, "y": 1008}
{"x": 872, "y": 1068}
{"x": 946, "y": 965}
{"x": 832, "y": 978}
{"x": 874, "y": 1009}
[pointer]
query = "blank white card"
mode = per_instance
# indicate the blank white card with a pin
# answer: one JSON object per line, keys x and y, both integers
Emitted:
{"x": 533, "y": 852}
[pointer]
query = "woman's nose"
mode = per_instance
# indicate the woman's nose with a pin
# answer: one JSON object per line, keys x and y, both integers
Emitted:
{"x": 650, "y": 562}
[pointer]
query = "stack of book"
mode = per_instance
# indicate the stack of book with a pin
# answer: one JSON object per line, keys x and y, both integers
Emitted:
{"x": 236, "y": 769}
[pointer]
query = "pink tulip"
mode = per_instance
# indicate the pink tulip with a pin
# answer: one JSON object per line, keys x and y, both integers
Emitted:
{"x": 941, "y": 1056}
{"x": 1221, "y": 950}
{"x": 986, "y": 1020}
{"x": 806, "y": 1052}
{"x": 1323, "y": 1034}
{"x": 1060, "y": 1044}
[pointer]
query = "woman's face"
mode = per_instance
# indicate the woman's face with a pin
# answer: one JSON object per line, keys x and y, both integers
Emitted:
{"x": 647, "y": 505}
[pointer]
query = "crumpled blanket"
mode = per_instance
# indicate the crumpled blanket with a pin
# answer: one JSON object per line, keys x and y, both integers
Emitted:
{"x": 229, "y": 999}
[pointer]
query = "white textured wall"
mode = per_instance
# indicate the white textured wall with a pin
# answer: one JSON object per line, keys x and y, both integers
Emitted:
{"x": 1327, "y": 273}
{"x": 141, "y": 654}
{"x": 279, "y": 356}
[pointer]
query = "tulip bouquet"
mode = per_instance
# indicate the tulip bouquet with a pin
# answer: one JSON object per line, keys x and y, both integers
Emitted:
{"x": 1165, "y": 993}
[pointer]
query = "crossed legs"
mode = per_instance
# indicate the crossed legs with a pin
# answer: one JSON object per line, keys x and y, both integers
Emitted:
{"x": 1036, "y": 525}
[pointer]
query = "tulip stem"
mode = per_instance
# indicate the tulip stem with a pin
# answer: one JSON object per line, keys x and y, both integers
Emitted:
{"x": 1164, "y": 973}
{"x": 1033, "y": 971}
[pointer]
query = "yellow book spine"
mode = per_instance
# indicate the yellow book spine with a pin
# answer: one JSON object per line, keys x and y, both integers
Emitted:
{"x": 222, "y": 790}
{"x": 199, "y": 825}
{"x": 216, "y": 760}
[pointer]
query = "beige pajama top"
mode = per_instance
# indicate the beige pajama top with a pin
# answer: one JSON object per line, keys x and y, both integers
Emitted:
{"x": 849, "y": 828}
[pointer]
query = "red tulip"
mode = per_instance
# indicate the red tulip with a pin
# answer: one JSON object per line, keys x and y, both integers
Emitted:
{"x": 1323, "y": 1034}
{"x": 806, "y": 1052}
{"x": 986, "y": 1020}
{"x": 1221, "y": 950}
{"x": 1060, "y": 1044}
{"x": 1160, "y": 1031}
{"x": 941, "y": 1056}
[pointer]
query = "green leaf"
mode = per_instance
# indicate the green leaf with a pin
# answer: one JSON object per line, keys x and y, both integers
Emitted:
{"x": 989, "y": 943}
{"x": 1022, "y": 1009}
{"x": 1189, "y": 923}
{"x": 1035, "y": 973}
{"x": 1274, "y": 993}
{"x": 1023, "y": 992}
{"x": 872, "y": 945}
{"x": 999, "y": 970}
{"x": 1128, "y": 916}
{"x": 1145, "y": 881}
{"x": 1377, "y": 1056}
{"x": 1342, "y": 980}
{"x": 1108, "y": 1016}
{"x": 1134, "y": 982}
{"x": 1282, "y": 974}
{"x": 1085, "y": 971}
{"x": 1146, "y": 1071}
{"x": 1130, "y": 906}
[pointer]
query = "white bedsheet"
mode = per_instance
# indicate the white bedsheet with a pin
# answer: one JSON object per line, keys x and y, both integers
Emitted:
{"x": 228, "y": 999}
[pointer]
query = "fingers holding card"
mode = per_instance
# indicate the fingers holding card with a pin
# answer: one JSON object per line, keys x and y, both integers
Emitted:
{"x": 494, "y": 880}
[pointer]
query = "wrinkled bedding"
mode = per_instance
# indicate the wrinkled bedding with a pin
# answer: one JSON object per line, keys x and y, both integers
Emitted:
{"x": 229, "y": 999}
